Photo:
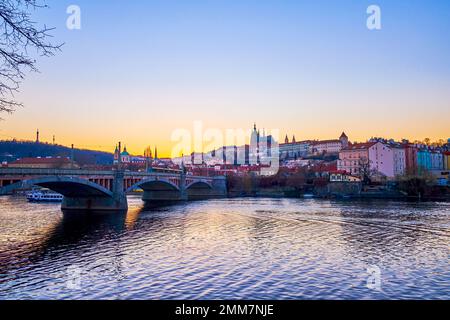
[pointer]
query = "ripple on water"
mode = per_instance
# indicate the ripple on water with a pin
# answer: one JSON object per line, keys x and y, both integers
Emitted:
{"x": 226, "y": 249}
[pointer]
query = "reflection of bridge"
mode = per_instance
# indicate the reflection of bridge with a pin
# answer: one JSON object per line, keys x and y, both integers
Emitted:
{"x": 106, "y": 190}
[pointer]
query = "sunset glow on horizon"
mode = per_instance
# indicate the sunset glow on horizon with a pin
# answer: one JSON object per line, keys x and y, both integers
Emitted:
{"x": 136, "y": 73}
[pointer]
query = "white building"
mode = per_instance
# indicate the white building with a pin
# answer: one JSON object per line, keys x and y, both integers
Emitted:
{"x": 330, "y": 146}
{"x": 399, "y": 160}
{"x": 294, "y": 150}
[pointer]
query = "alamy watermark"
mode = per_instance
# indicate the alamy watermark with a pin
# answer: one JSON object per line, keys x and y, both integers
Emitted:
{"x": 374, "y": 278}
{"x": 374, "y": 19}
{"x": 73, "y": 21}
{"x": 74, "y": 276}
{"x": 231, "y": 146}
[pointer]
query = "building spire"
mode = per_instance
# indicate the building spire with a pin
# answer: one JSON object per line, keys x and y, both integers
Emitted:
{"x": 37, "y": 136}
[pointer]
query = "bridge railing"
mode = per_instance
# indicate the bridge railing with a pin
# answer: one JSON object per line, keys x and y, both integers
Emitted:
{"x": 52, "y": 172}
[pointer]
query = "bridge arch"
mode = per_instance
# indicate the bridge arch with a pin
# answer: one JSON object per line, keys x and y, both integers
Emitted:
{"x": 154, "y": 184}
{"x": 199, "y": 184}
{"x": 67, "y": 186}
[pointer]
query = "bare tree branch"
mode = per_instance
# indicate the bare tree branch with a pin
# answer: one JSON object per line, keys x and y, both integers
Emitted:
{"x": 18, "y": 34}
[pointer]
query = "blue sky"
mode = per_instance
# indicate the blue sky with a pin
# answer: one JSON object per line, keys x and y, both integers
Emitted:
{"x": 138, "y": 70}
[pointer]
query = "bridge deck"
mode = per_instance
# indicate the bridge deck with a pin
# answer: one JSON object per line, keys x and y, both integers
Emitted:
{"x": 86, "y": 173}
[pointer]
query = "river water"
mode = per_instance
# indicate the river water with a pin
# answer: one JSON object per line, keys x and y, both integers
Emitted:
{"x": 227, "y": 249}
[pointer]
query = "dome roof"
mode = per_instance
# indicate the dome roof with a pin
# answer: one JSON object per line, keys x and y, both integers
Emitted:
{"x": 125, "y": 152}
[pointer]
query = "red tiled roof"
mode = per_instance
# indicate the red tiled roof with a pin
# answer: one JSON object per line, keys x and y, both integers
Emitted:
{"x": 359, "y": 146}
{"x": 325, "y": 167}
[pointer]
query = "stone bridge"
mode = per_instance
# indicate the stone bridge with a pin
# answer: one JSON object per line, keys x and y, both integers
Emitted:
{"x": 106, "y": 190}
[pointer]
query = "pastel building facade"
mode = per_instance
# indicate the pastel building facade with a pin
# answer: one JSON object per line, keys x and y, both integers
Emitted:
{"x": 423, "y": 160}
{"x": 350, "y": 158}
{"x": 381, "y": 158}
{"x": 399, "y": 160}
{"x": 437, "y": 161}
{"x": 410, "y": 158}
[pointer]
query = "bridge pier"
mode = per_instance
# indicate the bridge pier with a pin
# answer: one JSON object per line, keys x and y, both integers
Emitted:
{"x": 203, "y": 191}
{"x": 165, "y": 196}
{"x": 157, "y": 192}
{"x": 118, "y": 201}
{"x": 94, "y": 204}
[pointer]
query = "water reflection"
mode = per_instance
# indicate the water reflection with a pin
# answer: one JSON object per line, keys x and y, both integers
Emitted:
{"x": 229, "y": 248}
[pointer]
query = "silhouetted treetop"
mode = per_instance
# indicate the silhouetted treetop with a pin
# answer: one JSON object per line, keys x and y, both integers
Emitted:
{"x": 19, "y": 34}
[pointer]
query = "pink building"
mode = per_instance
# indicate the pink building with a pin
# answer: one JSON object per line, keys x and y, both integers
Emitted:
{"x": 382, "y": 158}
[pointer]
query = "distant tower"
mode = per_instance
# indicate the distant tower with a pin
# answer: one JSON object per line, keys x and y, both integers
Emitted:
{"x": 286, "y": 140}
{"x": 53, "y": 139}
{"x": 116, "y": 155}
{"x": 293, "y": 139}
{"x": 344, "y": 140}
{"x": 148, "y": 152}
{"x": 72, "y": 156}
{"x": 148, "y": 158}
{"x": 254, "y": 146}
{"x": 37, "y": 136}
{"x": 156, "y": 152}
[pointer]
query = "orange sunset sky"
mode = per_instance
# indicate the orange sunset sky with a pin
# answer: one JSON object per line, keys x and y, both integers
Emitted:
{"x": 300, "y": 68}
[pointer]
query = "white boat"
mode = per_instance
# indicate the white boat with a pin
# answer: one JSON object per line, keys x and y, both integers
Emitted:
{"x": 44, "y": 196}
{"x": 308, "y": 195}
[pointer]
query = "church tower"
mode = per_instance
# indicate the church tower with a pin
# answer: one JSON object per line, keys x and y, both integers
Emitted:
{"x": 254, "y": 146}
{"x": 344, "y": 140}
{"x": 116, "y": 155}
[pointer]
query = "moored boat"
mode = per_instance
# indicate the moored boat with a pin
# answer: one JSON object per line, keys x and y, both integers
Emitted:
{"x": 44, "y": 196}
